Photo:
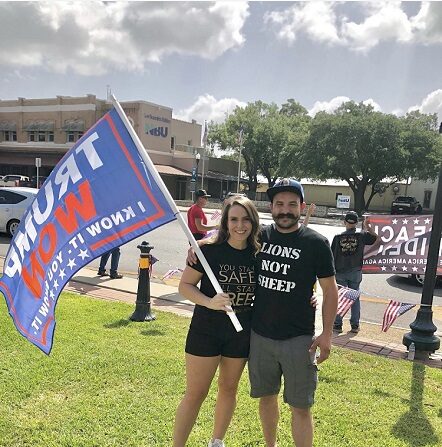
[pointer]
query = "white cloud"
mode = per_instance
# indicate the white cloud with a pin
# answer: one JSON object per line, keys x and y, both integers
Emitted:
{"x": 316, "y": 19}
{"x": 432, "y": 103}
{"x": 382, "y": 21}
{"x": 206, "y": 107}
{"x": 327, "y": 106}
{"x": 335, "y": 103}
{"x": 94, "y": 37}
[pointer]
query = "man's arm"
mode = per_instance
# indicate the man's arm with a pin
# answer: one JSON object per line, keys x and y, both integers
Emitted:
{"x": 203, "y": 227}
{"x": 368, "y": 228}
{"x": 329, "y": 308}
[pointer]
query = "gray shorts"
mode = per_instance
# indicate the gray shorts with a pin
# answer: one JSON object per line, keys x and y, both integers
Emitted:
{"x": 272, "y": 359}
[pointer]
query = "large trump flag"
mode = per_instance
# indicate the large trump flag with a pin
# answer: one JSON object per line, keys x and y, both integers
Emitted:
{"x": 101, "y": 195}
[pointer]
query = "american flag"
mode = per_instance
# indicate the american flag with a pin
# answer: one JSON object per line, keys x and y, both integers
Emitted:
{"x": 171, "y": 273}
{"x": 346, "y": 298}
{"x": 394, "y": 310}
{"x": 216, "y": 215}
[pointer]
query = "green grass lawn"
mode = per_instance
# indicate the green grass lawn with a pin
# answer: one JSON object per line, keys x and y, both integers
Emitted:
{"x": 111, "y": 382}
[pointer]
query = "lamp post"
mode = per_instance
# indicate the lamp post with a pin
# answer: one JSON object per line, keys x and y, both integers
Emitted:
{"x": 423, "y": 328}
{"x": 197, "y": 159}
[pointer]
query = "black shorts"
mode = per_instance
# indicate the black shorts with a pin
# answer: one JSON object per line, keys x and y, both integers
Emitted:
{"x": 212, "y": 334}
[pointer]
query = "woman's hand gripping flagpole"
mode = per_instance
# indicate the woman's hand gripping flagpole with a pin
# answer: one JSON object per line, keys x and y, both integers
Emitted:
{"x": 152, "y": 170}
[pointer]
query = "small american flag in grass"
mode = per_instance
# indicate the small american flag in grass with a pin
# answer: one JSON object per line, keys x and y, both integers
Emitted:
{"x": 216, "y": 215}
{"x": 394, "y": 310}
{"x": 346, "y": 299}
{"x": 171, "y": 273}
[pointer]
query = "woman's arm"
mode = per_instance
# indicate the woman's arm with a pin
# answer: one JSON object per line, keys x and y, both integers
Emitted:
{"x": 190, "y": 291}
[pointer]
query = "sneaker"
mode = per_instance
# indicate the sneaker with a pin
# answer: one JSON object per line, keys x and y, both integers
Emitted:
{"x": 216, "y": 443}
{"x": 354, "y": 329}
{"x": 337, "y": 329}
{"x": 115, "y": 276}
{"x": 101, "y": 273}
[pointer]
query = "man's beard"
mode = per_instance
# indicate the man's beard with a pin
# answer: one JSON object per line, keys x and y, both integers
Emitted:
{"x": 292, "y": 220}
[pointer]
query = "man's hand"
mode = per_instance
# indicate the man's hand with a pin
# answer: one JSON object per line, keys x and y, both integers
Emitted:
{"x": 314, "y": 300}
{"x": 323, "y": 342}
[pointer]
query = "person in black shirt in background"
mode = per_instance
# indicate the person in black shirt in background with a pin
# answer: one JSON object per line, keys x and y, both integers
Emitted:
{"x": 348, "y": 252}
{"x": 212, "y": 341}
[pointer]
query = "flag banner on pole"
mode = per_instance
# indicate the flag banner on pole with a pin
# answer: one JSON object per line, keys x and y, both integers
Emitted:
{"x": 100, "y": 196}
{"x": 394, "y": 310}
{"x": 346, "y": 299}
{"x": 206, "y": 134}
{"x": 216, "y": 215}
{"x": 402, "y": 246}
{"x": 171, "y": 273}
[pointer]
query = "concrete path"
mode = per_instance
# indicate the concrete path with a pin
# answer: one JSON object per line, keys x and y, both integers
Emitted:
{"x": 166, "y": 297}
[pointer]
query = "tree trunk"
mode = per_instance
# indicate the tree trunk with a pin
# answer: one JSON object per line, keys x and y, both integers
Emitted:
{"x": 359, "y": 193}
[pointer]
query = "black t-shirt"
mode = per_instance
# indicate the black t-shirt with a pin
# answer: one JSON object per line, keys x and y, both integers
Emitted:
{"x": 288, "y": 266}
{"x": 348, "y": 249}
{"x": 235, "y": 271}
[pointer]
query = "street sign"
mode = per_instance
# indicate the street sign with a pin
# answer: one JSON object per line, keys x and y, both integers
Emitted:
{"x": 192, "y": 185}
{"x": 343, "y": 201}
{"x": 193, "y": 174}
{"x": 38, "y": 162}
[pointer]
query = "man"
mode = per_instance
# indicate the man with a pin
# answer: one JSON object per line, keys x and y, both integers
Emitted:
{"x": 348, "y": 252}
{"x": 114, "y": 254}
{"x": 196, "y": 218}
{"x": 292, "y": 257}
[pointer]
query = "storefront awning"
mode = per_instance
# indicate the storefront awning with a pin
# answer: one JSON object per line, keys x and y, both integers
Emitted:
{"x": 6, "y": 126}
{"x": 73, "y": 126}
{"x": 37, "y": 126}
{"x": 171, "y": 170}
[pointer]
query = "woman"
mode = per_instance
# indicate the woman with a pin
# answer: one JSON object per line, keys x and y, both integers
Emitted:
{"x": 212, "y": 341}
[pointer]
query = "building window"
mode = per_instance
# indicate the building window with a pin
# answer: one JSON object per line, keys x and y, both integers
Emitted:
{"x": 172, "y": 142}
{"x": 72, "y": 137}
{"x": 189, "y": 142}
{"x": 41, "y": 136}
{"x": 9, "y": 135}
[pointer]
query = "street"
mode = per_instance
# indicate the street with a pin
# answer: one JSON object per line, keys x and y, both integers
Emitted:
{"x": 170, "y": 248}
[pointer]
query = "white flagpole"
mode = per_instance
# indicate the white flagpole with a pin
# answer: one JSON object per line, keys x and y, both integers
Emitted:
{"x": 151, "y": 167}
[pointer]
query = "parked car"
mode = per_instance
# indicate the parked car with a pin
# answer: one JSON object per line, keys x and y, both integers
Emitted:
{"x": 13, "y": 180}
{"x": 33, "y": 182}
{"x": 14, "y": 200}
{"x": 406, "y": 205}
{"x": 419, "y": 279}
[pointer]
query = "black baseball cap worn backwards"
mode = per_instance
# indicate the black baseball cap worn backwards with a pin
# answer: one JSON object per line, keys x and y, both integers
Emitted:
{"x": 351, "y": 217}
{"x": 286, "y": 184}
{"x": 202, "y": 193}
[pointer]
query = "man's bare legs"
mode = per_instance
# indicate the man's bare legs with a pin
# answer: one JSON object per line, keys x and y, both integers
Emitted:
{"x": 269, "y": 414}
{"x": 302, "y": 427}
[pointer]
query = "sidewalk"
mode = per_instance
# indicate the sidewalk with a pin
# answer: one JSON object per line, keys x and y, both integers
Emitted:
{"x": 166, "y": 297}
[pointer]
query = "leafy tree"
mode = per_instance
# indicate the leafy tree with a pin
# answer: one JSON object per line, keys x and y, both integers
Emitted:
{"x": 366, "y": 148}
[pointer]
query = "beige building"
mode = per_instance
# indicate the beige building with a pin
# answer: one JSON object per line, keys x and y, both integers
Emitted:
{"x": 48, "y": 128}
{"x": 324, "y": 193}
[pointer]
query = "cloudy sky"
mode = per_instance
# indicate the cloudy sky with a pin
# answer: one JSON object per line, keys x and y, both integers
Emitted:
{"x": 204, "y": 58}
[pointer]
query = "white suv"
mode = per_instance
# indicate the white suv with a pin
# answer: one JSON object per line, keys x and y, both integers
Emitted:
{"x": 14, "y": 201}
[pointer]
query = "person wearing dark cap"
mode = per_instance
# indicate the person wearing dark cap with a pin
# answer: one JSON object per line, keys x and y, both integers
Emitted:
{"x": 291, "y": 259}
{"x": 348, "y": 252}
{"x": 196, "y": 218}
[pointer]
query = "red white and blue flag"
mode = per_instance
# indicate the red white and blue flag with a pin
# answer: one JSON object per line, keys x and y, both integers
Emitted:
{"x": 394, "y": 310}
{"x": 100, "y": 196}
{"x": 346, "y": 299}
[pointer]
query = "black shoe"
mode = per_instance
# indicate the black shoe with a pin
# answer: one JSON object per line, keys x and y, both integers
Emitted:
{"x": 115, "y": 276}
{"x": 354, "y": 329}
{"x": 101, "y": 273}
{"x": 337, "y": 328}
